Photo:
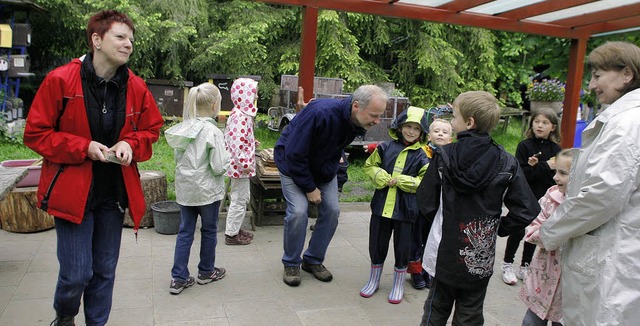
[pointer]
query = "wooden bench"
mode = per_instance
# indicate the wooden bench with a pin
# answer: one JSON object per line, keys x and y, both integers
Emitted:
{"x": 507, "y": 113}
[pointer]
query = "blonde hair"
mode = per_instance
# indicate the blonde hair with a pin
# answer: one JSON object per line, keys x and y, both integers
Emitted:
{"x": 481, "y": 106}
{"x": 567, "y": 153}
{"x": 550, "y": 114}
{"x": 446, "y": 122}
{"x": 202, "y": 101}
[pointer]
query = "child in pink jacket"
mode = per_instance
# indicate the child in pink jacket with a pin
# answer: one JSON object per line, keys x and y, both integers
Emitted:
{"x": 541, "y": 290}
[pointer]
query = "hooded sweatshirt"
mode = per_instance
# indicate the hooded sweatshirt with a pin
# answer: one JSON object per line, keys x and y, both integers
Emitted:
{"x": 461, "y": 196}
{"x": 238, "y": 134}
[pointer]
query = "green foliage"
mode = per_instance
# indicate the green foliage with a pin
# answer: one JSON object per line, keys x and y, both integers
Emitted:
{"x": 13, "y": 150}
{"x": 431, "y": 63}
{"x": 6, "y": 134}
{"x": 162, "y": 160}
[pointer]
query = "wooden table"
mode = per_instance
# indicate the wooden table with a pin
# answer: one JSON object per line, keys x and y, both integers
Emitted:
{"x": 9, "y": 178}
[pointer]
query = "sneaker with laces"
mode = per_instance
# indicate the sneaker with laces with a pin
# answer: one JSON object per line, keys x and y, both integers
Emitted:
{"x": 508, "y": 276}
{"x": 522, "y": 272}
{"x": 177, "y": 286}
{"x": 217, "y": 274}
{"x": 236, "y": 240}
{"x": 291, "y": 275}
{"x": 318, "y": 270}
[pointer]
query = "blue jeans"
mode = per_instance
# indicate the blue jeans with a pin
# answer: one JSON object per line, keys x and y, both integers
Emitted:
{"x": 208, "y": 241}
{"x": 88, "y": 254}
{"x": 296, "y": 219}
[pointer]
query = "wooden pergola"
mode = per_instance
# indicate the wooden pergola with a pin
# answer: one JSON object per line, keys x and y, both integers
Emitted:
{"x": 577, "y": 20}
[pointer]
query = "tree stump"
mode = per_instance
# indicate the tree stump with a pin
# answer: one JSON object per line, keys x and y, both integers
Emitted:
{"x": 19, "y": 212}
{"x": 154, "y": 187}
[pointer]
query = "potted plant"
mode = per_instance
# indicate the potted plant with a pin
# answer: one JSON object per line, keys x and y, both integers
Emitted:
{"x": 546, "y": 93}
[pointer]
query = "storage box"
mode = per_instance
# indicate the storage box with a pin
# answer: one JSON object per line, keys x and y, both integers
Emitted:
{"x": 19, "y": 65}
{"x": 21, "y": 35}
{"x": 6, "y": 36}
{"x": 169, "y": 95}
{"x": 33, "y": 176}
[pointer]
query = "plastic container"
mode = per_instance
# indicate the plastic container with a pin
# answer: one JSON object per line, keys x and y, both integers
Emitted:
{"x": 33, "y": 176}
{"x": 577, "y": 139}
{"x": 166, "y": 217}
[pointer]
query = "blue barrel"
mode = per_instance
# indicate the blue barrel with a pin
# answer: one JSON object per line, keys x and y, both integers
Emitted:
{"x": 577, "y": 139}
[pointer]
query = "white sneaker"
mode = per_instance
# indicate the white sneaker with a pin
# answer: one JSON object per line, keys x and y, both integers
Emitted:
{"x": 522, "y": 272}
{"x": 508, "y": 275}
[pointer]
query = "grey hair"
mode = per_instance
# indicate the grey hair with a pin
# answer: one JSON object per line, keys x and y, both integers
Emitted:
{"x": 365, "y": 93}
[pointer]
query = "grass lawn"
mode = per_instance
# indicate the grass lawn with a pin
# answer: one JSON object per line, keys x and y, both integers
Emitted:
{"x": 358, "y": 189}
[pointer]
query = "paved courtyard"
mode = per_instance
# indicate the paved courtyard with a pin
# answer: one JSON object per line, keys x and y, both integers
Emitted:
{"x": 252, "y": 293}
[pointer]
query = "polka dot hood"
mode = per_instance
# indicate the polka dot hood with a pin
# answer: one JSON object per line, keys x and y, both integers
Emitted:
{"x": 238, "y": 135}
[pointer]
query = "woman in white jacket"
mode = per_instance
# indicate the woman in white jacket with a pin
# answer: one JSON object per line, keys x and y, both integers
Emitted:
{"x": 599, "y": 222}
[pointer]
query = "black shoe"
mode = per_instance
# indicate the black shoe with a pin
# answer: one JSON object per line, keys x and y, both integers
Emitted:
{"x": 318, "y": 270}
{"x": 418, "y": 281}
{"x": 63, "y": 321}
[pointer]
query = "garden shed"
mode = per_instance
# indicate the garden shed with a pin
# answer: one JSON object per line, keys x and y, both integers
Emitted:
{"x": 578, "y": 20}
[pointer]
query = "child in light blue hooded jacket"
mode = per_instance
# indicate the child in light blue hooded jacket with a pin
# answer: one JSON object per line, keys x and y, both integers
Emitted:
{"x": 201, "y": 162}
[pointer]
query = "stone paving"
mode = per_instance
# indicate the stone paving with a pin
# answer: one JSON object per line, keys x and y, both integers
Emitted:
{"x": 252, "y": 293}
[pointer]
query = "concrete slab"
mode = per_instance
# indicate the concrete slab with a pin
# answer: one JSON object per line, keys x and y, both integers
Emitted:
{"x": 252, "y": 293}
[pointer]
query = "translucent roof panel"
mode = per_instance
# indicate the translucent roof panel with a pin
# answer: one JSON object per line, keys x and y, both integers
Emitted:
{"x": 577, "y": 19}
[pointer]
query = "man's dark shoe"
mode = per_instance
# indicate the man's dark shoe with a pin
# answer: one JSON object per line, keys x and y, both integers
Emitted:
{"x": 63, "y": 321}
{"x": 291, "y": 275}
{"x": 318, "y": 270}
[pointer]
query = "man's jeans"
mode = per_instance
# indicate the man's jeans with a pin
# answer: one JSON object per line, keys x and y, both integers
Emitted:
{"x": 296, "y": 219}
{"x": 208, "y": 239}
{"x": 88, "y": 254}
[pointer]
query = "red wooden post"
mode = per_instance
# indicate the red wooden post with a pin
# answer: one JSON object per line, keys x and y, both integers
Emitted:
{"x": 308, "y": 50}
{"x": 572, "y": 91}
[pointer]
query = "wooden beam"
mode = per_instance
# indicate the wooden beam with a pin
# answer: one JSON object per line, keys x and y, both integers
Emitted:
{"x": 541, "y": 8}
{"x": 601, "y": 16}
{"x": 611, "y": 26}
{"x": 308, "y": 51}
{"x": 462, "y": 5}
{"x": 572, "y": 91}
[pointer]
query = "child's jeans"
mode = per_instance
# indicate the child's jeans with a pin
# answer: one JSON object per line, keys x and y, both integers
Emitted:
{"x": 531, "y": 319}
{"x": 208, "y": 241}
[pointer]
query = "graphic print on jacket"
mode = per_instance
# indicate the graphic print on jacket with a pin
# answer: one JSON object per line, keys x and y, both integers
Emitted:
{"x": 480, "y": 244}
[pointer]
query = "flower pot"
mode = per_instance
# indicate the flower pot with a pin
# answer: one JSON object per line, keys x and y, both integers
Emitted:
{"x": 557, "y": 106}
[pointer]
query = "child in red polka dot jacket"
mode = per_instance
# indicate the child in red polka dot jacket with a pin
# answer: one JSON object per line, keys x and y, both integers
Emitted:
{"x": 241, "y": 145}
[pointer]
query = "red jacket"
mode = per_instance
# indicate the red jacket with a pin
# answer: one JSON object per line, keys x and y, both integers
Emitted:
{"x": 62, "y": 137}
